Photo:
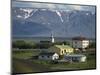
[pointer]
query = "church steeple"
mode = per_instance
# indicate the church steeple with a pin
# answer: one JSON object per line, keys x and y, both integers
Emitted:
{"x": 52, "y": 38}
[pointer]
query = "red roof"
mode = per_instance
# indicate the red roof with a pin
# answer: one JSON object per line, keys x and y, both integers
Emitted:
{"x": 79, "y": 38}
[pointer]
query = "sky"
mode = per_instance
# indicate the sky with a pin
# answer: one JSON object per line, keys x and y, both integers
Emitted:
{"x": 53, "y": 6}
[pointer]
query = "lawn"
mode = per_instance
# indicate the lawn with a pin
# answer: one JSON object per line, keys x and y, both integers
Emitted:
{"x": 23, "y": 64}
{"x": 24, "y": 54}
{"x": 90, "y": 64}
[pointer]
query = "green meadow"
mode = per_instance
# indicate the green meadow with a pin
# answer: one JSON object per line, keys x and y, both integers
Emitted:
{"x": 24, "y": 63}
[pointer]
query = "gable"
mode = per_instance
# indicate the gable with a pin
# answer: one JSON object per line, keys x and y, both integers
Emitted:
{"x": 55, "y": 54}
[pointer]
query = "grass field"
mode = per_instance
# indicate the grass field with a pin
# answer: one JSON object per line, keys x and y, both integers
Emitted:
{"x": 23, "y": 64}
{"x": 24, "y": 54}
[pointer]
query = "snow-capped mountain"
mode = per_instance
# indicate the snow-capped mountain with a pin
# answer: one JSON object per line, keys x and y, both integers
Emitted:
{"x": 22, "y": 13}
{"x": 63, "y": 23}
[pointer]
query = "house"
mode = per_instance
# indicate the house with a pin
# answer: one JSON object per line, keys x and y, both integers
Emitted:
{"x": 61, "y": 49}
{"x": 75, "y": 58}
{"x": 48, "y": 56}
{"x": 80, "y": 43}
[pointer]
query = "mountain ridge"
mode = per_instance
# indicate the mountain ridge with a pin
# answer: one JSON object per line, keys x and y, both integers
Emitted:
{"x": 61, "y": 23}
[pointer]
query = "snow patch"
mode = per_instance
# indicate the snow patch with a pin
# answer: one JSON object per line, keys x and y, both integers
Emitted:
{"x": 60, "y": 16}
{"x": 27, "y": 12}
{"x": 18, "y": 16}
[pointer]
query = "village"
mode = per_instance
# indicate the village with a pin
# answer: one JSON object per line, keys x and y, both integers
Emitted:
{"x": 51, "y": 37}
{"x": 66, "y": 51}
{"x": 78, "y": 54}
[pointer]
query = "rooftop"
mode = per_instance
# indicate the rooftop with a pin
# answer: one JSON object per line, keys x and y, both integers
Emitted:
{"x": 63, "y": 46}
{"x": 79, "y": 38}
{"x": 75, "y": 55}
{"x": 47, "y": 53}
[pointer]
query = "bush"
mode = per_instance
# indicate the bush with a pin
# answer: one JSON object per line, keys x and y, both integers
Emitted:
{"x": 92, "y": 45}
{"x": 54, "y": 62}
{"x": 43, "y": 45}
{"x": 21, "y": 44}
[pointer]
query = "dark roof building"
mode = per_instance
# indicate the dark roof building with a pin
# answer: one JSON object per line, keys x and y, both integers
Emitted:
{"x": 48, "y": 56}
{"x": 79, "y": 38}
{"x": 47, "y": 53}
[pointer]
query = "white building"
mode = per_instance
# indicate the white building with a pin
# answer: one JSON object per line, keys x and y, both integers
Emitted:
{"x": 48, "y": 56}
{"x": 52, "y": 38}
{"x": 75, "y": 58}
{"x": 80, "y": 43}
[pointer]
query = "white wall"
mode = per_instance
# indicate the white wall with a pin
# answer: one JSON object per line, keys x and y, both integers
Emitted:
{"x": 55, "y": 56}
{"x": 83, "y": 59}
{"x": 85, "y": 43}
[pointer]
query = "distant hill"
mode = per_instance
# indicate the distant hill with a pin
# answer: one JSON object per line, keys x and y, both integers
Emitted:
{"x": 63, "y": 23}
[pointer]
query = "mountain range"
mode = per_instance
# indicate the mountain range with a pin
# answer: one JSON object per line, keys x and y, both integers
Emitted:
{"x": 62, "y": 23}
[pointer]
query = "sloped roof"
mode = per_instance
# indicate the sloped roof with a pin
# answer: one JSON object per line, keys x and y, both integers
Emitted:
{"x": 79, "y": 38}
{"x": 75, "y": 55}
{"x": 47, "y": 53}
{"x": 63, "y": 46}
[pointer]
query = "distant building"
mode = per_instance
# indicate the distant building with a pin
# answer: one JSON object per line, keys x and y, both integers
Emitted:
{"x": 52, "y": 38}
{"x": 75, "y": 58}
{"x": 80, "y": 43}
{"x": 61, "y": 49}
{"x": 48, "y": 56}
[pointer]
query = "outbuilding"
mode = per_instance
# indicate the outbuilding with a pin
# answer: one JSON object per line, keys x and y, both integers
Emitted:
{"x": 48, "y": 56}
{"x": 75, "y": 58}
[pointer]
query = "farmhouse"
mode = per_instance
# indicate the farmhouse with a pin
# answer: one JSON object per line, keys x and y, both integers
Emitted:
{"x": 48, "y": 56}
{"x": 80, "y": 43}
{"x": 61, "y": 49}
{"x": 75, "y": 58}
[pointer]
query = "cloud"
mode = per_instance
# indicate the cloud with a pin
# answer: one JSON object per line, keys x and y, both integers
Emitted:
{"x": 53, "y": 6}
{"x": 77, "y": 7}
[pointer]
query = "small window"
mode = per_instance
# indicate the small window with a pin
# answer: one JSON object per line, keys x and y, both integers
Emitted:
{"x": 75, "y": 42}
{"x": 47, "y": 56}
{"x": 42, "y": 56}
{"x": 64, "y": 51}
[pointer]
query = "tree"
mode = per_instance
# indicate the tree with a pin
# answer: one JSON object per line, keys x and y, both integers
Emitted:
{"x": 21, "y": 44}
{"x": 66, "y": 43}
{"x": 92, "y": 45}
{"x": 43, "y": 45}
